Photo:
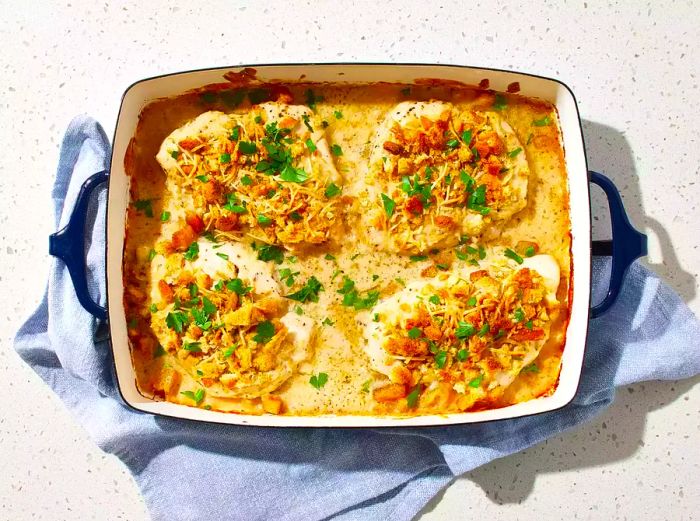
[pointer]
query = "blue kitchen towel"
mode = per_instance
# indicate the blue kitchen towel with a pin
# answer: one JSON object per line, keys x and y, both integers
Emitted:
{"x": 188, "y": 470}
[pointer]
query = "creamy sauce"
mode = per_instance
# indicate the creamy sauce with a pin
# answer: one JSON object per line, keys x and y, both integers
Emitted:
{"x": 339, "y": 348}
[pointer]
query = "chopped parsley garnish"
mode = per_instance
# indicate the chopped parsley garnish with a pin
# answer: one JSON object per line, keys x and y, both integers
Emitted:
{"x": 336, "y": 150}
{"x": 477, "y": 200}
{"x": 192, "y": 251}
{"x": 513, "y": 256}
{"x": 501, "y": 333}
{"x": 247, "y": 148}
{"x": 308, "y": 293}
{"x": 499, "y": 102}
{"x": 348, "y": 285}
{"x": 329, "y": 257}
{"x": 514, "y": 153}
{"x": 287, "y": 275}
{"x": 452, "y": 144}
{"x": 229, "y": 350}
{"x": 306, "y": 118}
{"x": 416, "y": 188}
{"x": 338, "y": 114}
{"x": 264, "y": 220}
{"x": 295, "y": 216}
{"x": 264, "y": 332}
{"x": 318, "y": 380}
{"x": 412, "y": 398}
{"x": 418, "y": 258}
{"x": 532, "y": 368}
{"x": 311, "y": 145}
{"x": 464, "y": 330}
{"x": 159, "y": 351}
{"x": 471, "y": 302}
{"x": 246, "y": 180}
{"x": 192, "y": 347}
{"x": 434, "y": 299}
{"x": 268, "y": 252}
{"x": 293, "y": 175}
{"x": 203, "y": 178}
{"x": 219, "y": 285}
{"x": 145, "y": 206}
{"x": 528, "y": 325}
{"x": 258, "y": 119}
{"x": 327, "y": 322}
{"x": 196, "y": 396}
{"x": 476, "y": 382}
{"x": 332, "y": 190}
{"x": 153, "y": 308}
{"x": 233, "y": 204}
{"x": 352, "y": 298}
{"x": 441, "y": 359}
{"x": 355, "y": 256}
{"x": 312, "y": 99}
{"x": 415, "y": 332}
{"x": 519, "y": 315}
{"x": 542, "y": 122}
{"x": 298, "y": 310}
{"x": 484, "y": 329}
{"x": 400, "y": 281}
{"x": 529, "y": 251}
{"x": 222, "y": 255}
{"x": 389, "y": 205}
{"x": 375, "y": 317}
{"x": 529, "y": 138}
{"x": 467, "y": 137}
{"x": 237, "y": 286}
{"x": 462, "y": 355}
{"x": 365, "y": 386}
{"x": 193, "y": 289}
{"x": 225, "y": 158}
{"x": 209, "y": 236}
{"x": 151, "y": 255}
{"x": 235, "y": 134}
{"x": 175, "y": 154}
{"x": 202, "y": 316}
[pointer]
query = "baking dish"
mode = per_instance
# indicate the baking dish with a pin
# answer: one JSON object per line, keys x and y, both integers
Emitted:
{"x": 627, "y": 244}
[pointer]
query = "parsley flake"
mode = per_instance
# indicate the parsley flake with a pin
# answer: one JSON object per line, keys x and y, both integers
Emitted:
{"x": 389, "y": 205}
{"x": 318, "y": 380}
{"x": 513, "y": 256}
{"x": 264, "y": 332}
{"x": 332, "y": 190}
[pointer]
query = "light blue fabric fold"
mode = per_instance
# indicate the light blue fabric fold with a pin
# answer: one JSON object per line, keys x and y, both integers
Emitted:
{"x": 189, "y": 470}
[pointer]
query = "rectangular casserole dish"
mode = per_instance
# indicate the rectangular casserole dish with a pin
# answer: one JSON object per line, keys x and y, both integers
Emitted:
{"x": 627, "y": 243}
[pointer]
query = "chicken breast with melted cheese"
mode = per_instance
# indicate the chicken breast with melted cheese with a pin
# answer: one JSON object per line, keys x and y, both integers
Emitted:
{"x": 463, "y": 336}
{"x": 219, "y": 311}
{"x": 266, "y": 174}
{"x": 437, "y": 173}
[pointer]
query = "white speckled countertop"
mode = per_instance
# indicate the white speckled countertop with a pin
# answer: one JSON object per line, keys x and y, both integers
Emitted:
{"x": 634, "y": 67}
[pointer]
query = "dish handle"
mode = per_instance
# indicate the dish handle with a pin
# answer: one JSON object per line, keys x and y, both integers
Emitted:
{"x": 626, "y": 246}
{"x": 68, "y": 244}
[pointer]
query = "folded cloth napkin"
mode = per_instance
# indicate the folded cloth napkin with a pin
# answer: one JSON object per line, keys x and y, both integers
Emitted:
{"x": 189, "y": 470}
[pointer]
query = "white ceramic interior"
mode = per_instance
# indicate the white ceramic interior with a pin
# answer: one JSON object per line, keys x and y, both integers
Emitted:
{"x": 140, "y": 93}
